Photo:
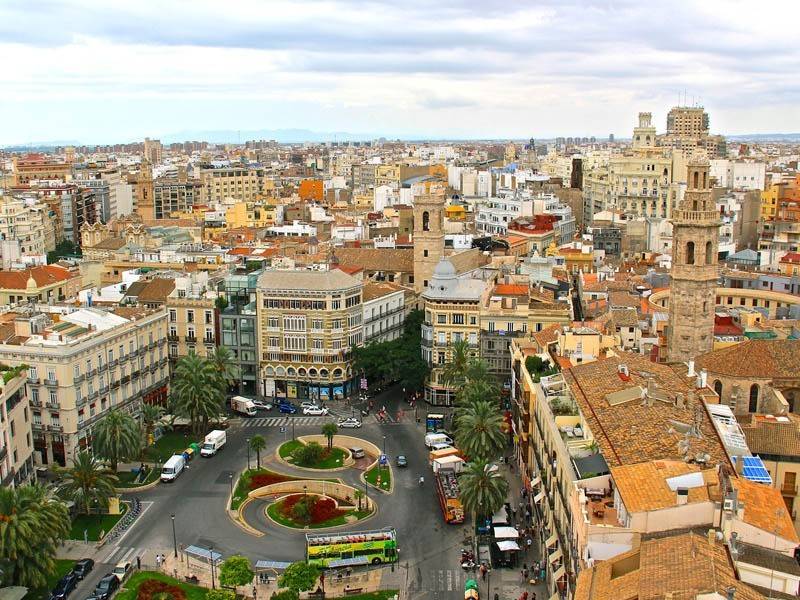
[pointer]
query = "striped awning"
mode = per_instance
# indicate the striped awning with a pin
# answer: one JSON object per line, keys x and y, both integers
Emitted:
{"x": 556, "y": 555}
{"x": 536, "y": 481}
{"x": 551, "y": 541}
{"x": 559, "y": 573}
{"x": 538, "y": 497}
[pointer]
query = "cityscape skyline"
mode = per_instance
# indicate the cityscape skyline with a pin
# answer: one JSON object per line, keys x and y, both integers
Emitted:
{"x": 87, "y": 73}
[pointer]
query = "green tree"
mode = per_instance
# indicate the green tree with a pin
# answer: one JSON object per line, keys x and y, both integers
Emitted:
{"x": 224, "y": 366}
{"x": 285, "y": 595}
{"x": 454, "y": 373}
{"x": 359, "y": 495}
{"x": 308, "y": 455}
{"x": 88, "y": 483}
{"x": 236, "y": 571}
{"x": 301, "y": 510}
{"x": 151, "y": 415}
{"x": 32, "y": 526}
{"x": 117, "y": 437}
{"x": 195, "y": 391}
{"x": 479, "y": 432}
{"x": 299, "y": 577}
{"x": 257, "y": 444}
{"x": 221, "y": 303}
{"x": 483, "y": 489}
{"x": 329, "y": 430}
{"x": 216, "y": 594}
{"x": 63, "y": 248}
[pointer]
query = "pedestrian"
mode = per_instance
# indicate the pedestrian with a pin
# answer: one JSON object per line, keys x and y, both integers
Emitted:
{"x": 524, "y": 573}
{"x": 528, "y": 515}
{"x": 533, "y": 595}
{"x": 521, "y": 507}
{"x": 483, "y": 571}
{"x": 524, "y": 596}
{"x": 496, "y": 596}
{"x": 529, "y": 542}
{"x": 158, "y": 560}
{"x": 524, "y": 493}
{"x": 513, "y": 514}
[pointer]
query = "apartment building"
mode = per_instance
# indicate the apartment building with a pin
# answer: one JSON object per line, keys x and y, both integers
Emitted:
{"x": 16, "y": 435}
{"x": 308, "y": 322}
{"x": 37, "y": 167}
{"x": 83, "y": 362}
{"x": 192, "y": 316}
{"x": 25, "y": 228}
{"x": 172, "y": 196}
{"x": 239, "y": 182}
{"x": 39, "y": 284}
{"x": 494, "y": 215}
{"x": 239, "y": 327}
{"x": 385, "y": 310}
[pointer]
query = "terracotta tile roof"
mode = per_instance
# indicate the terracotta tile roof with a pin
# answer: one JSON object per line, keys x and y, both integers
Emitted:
{"x": 240, "y": 251}
{"x": 111, "y": 243}
{"x": 684, "y": 565}
{"x": 350, "y": 270}
{"x": 759, "y": 359}
{"x": 377, "y": 289}
{"x": 510, "y": 289}
{"x": 767, "y": 558}
{"x": 643, "y": 486}
{"x": 791, "y": 257}
{"x": 761, "y": 505}
{"x": 157, "y": 290}
{"x": 44, "y": 275}
{"x": 377, "y": 259}
{"x": 623, "y": 299}
{"x": 547, "y": 336}
{"x": 771, "y": 435}
{"x": 468, "y": 260}
{"x": 628, "y": 432}
{"x": 624, "y": 317}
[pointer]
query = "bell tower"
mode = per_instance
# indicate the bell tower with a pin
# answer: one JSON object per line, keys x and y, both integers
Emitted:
{"x": 428, "y": 237}
{"x": 695, "y": 269}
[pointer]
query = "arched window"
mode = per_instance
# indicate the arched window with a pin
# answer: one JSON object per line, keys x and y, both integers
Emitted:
{"x": 753, "y": 407}
{"x": 705, "y": 180}
{"x": 696, "y": 179}
{"x": 426, "y": 221}
{"x": 790, "y": 400}
{"x": 690, "y": 253}
{"x": 718, "y": 388}
{"x": 709, "y": 253}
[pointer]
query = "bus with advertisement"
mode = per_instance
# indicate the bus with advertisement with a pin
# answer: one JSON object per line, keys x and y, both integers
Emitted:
{"x": 352, "y": 549}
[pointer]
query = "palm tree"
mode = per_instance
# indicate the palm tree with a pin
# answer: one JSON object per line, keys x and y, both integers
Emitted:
{"x": 117, "y": 437}
{"x": 454, "y": 372}
{"x": 226, "y": 368}
{"x": 257, "y": 444}
{"x": 32, "y": 526}
{"x": 195, "y": 391}
{"x": 329, "y": 430}
{"x": 359, "y": 495}
{"x": 483, "y": 489}
{"x": 88, "y": 483}
{"x": 151, "y": 415}
{"x": 479, "y": 430}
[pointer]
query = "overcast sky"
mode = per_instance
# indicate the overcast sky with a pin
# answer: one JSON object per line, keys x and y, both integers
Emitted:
{"x": 103, "y": 71}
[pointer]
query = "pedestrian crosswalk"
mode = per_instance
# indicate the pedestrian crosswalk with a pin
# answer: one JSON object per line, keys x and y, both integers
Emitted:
{"x": 284, "y": 422}
{"x": 114, "y": 554}
{"x": 444, "y": 580}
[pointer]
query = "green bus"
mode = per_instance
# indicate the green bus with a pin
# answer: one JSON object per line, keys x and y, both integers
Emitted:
{"x": 352, "y": 549}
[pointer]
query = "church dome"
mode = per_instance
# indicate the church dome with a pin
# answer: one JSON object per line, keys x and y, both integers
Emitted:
{"x": 444, "y": 270}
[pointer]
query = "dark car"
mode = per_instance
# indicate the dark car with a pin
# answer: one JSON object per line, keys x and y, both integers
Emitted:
{"x": 83, "y": 567}
{"x": 287, "y": 407}
{"x": 64, "y": 586}
{"x": 401, "y": 461}
{"x": 107, "y": 586}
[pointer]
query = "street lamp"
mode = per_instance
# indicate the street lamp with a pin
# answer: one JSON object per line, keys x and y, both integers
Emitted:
{"x": 174, "y": 537}
{"x": 305, "y": 489}
{"x": 230, "y": 478}
{"x": 292, "y": 429}
{"x": 211, "y": 551}
{"x": 247, "y": 441}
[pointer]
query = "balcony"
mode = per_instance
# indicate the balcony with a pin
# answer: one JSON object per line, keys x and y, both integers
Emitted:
{"x": 8, "y": 479}
{"x": 33, "y": 380}
{"x": 114, "y": 385}
{"x": 51, "y": 382}
{"x": 3, "y": 452}
{"x": 103, "y": 367}
{"x": 135, "y": 375}
{"x": 79, "y": 378}
{"x": 191, "y": 338}
{"x": 103, "y": 389}
{"x": 113, "y": 363}
{"x": 789, "y": 489}
{"x": 53, "y": 405}
{"x": 57, "y": 428}
{"x": 36, "y": 403}
{"x": 91, "y": 373}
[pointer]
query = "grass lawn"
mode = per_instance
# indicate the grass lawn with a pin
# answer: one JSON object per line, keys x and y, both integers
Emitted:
{"x": 379, "y": 595}
{"x": 385, "y": 474}
{"x": 129, "y": 590}
{"x": 94, "y": 524}
{"x": 126, "y": 478}
{"x": 62, "y": 568}
{"x": 331, "y": 460}
{"x": 263, "y": 477}
{"x": 172, "y": 442}
{"x": 273, "y": 510}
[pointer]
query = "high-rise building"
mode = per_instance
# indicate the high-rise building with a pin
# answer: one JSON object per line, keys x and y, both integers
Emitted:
{"x": 695, "y": 238}
{"x": 153, "y": 151}
{"x": 428, "y": 237}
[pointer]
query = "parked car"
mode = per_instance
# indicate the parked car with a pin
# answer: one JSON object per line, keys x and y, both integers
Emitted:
{"x": 357, "y": 452}
{"x": 287, "y": 407}
{"x": 308, "y": 404}
{"x": 64, "y": 586}
{"x": 401, "y": 461}
{"x": 83, "y": 567}
{"x": 122, "y": 570}
{"x": 315, "y": 410}
{"x": 349, "y": 423}
{"x": 262, "y": 404}
{"x": 106, "y": 586}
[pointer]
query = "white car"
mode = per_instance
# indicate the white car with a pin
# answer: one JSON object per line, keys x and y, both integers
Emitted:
{"x": 262, "y": 405}
{"x": 315, "y": 410}
{"x": 349, "y": 423}
{"x": 308, "y": 404}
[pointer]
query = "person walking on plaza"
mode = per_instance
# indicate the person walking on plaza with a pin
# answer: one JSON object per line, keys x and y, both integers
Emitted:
{"x": 524, "y": 573}
{"x": 483, "y": 571}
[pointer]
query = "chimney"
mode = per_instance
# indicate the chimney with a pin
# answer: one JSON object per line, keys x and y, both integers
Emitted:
{"x": 691, "y": 368}
{"x": 679, "y": 400}
{"x": 704, "y": 377}
{"x": 682, "y": 496}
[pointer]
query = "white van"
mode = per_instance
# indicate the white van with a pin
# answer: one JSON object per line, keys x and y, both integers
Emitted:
{"x": 173, "y": 467}
{"x": 437, "y": 438}
{"x": 214, "y": 441}
{"x": 440, "y": 446}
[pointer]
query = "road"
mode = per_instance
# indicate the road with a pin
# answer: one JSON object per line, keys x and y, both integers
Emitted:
{"x": 429, "y": 548}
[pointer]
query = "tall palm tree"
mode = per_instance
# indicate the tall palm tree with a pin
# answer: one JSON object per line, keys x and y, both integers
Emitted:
{"x": 257, "y": 444}
{"x": 195, "y": 391}
{"x": 151, "y": 415}
{"x": 479, "y": 430}
{"x": 225, "y": 367}
{"x": 329, "y": 430}
{"x": 32, "y": 526}
{"x": 483, "y": 489}
{"x": 359, "y": 495}
{"x": 88, "y": 483}
{"x": 454, "y": 372}
{"x": 117, "y": 437}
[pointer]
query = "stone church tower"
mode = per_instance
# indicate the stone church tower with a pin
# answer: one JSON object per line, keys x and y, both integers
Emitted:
{"x": 143, "y": 191}
{"x": 692, "y": 296}
{"x": 428, "y": 237}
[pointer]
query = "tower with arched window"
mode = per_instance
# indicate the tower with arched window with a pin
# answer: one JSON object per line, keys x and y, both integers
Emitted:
{"x": 428, "y": 237}
{"x": 695, "y": 242}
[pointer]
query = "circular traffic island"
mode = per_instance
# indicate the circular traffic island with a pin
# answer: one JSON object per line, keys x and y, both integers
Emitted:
{"x": 316, "y": 511}
{"x": 313, "y": 455}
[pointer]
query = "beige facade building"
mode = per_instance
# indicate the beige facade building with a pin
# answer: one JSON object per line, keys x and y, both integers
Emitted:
{"x": 695, "y": 270}
{"x": 16, "y": 436}
{"x": 81, "y": 364}
{"x": 238, "y": 182}
{"x": 172, "y": 196}
{"x": 308, "y": 322}
{"x": 39, "y": 284}
{"x": 193, "y": 324}
{"x": 27, "y": 225}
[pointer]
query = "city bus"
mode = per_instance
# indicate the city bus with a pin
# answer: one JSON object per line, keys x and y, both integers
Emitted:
{"x": 352, "y": 549}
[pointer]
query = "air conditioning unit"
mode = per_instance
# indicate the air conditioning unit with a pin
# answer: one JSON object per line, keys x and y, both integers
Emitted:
{"x": 728, "y": 504}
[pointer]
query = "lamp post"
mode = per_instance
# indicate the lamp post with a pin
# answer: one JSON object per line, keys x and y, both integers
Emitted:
{"x": 230, "y": 479}
{"x": 174, "y": 536}
{"x": 305, "y": 489}
{"x": 211, "y": 552}
{"x": 366, "y": 493}
{"x": 292, "y": 429}
{"x": 247, "y": 441}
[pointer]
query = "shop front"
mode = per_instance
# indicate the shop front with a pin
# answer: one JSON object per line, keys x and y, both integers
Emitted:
{"x": 309, "y": 384}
